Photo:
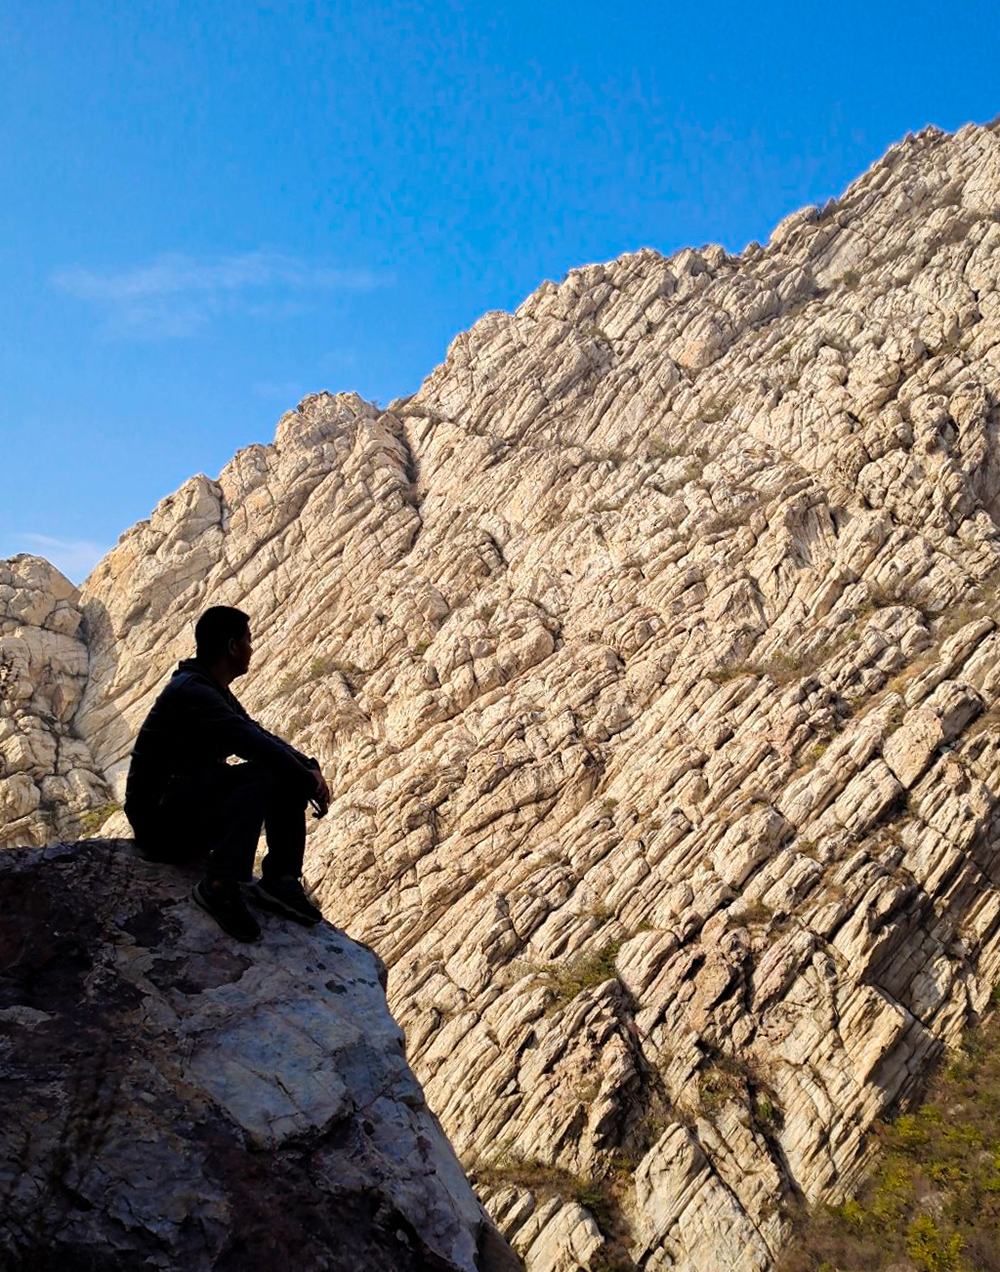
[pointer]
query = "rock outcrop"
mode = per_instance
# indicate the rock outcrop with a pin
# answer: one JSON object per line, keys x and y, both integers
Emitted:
{"x": 50, "y": 786}
{"x": 651, "y": 652}
{"x": 173, "y": 1100}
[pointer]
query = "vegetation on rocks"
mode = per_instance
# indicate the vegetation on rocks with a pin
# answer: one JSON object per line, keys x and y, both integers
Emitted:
{"x": 667, "y": 634}
{"x": 932, "y": 1202}
{"x": 585, "y": 972}
{"x": 600, "y": 1195}
{"x": 94, "y": 818}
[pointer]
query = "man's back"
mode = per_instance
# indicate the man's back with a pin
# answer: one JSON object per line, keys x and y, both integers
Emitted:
{"x": 197, "y": 723}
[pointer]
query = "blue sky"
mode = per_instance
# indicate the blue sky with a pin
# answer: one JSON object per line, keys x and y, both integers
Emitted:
{"x": 211, "y": 209}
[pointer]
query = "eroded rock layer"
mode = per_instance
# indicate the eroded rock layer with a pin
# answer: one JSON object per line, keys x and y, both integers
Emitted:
{"x": 651, "y": 651}
{"x": 49, "y": 783}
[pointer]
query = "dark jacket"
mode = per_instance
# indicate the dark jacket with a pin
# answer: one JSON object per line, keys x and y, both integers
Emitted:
{"x": 195, "y": 724}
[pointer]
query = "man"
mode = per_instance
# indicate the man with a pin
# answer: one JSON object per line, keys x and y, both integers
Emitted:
{"x": 183, "y": 799}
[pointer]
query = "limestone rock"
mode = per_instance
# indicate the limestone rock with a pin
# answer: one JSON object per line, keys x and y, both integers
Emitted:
{"x": 174, "y": 1100}
{"x": 49, "y": 783}
{"x": 650, "y": 649}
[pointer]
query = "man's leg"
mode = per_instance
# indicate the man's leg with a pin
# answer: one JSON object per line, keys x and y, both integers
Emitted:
{"x": 280, "y": 888}
{"x": 174, "y": 830}
{"x": 285, "y": 831}
{"x": 240, "y": 796}
{"x": 232, "y": 803}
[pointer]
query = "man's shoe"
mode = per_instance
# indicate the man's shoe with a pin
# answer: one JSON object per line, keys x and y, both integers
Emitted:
{"x": 228, "y": 909}
{"x": 286, "y": 897}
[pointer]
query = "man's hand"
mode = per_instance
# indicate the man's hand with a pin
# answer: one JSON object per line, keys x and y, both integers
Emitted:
{"x": 320, "y": 799}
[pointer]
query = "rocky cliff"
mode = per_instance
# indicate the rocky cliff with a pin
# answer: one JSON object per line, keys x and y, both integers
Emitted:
{"x": 651, "y": 651}
{"x": 50, "y": 786}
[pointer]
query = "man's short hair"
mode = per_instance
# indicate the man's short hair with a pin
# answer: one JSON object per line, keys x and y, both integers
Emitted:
{"x": 216, "y": 628}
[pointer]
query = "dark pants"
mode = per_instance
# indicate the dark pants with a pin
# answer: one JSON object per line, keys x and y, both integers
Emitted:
{"x": 218, "y": 814}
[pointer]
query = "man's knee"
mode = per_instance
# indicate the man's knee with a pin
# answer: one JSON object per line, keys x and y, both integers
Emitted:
{"x": 248, "y": 778}
{"x": 268, "y": 785}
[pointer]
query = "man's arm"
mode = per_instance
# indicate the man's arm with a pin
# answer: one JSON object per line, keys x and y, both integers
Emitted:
{"x": 307, "y": 760}
{"x": 321, "y": 799}
{"x": 224, "y": 727}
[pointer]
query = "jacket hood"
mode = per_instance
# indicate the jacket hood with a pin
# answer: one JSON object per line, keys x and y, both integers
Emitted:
{"x": 192, "y": 664}
{"x": 189, "y": 665}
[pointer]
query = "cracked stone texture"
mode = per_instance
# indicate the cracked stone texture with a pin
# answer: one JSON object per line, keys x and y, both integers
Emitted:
{"x": 49, "y": 782}
{"x": 650, "y": 649}
{"x": 177, "y": 1100}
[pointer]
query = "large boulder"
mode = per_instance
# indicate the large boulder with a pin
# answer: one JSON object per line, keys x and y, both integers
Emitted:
{"x": 175, "y": 1100}
{"x": 50, "y": 786}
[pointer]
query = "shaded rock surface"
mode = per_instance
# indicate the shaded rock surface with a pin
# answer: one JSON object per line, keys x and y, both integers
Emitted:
{"x": 175, "y": 1100}
{"x": 651, "y": 650}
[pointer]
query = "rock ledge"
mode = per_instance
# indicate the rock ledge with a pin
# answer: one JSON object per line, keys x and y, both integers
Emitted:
{"x": 177, "y": 1100}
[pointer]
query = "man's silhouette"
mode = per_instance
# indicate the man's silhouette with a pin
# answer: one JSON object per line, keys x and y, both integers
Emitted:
{"x": 184, "y": 800}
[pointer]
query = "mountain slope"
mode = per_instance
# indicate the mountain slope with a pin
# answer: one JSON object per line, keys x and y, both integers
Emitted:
{"x": 651, "y": 651}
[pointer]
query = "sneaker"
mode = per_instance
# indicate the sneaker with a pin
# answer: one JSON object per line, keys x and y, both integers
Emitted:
{"x": 228, "y": 909}
{"x": 287, "y": 897}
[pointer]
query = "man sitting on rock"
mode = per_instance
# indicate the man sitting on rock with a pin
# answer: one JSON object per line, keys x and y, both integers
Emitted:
{"x": 184, "y": 800}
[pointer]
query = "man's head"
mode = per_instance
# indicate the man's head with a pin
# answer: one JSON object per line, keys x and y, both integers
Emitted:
{"x": 222, "y": 636}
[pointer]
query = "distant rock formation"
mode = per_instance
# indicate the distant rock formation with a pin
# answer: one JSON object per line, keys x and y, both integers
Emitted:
{"x": 651, "y": 650}
{"x": 173, "y": 1100}
{"x": 50, "y": 786}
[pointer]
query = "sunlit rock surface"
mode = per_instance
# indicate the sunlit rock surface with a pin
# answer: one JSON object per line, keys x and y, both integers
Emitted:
{"x": 49, "y": 783}
{"x": 651, "y": 652}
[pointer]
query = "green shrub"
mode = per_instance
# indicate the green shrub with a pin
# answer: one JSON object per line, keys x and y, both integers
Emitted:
{"x": 585, "y": 972}
{"x": 934, "y": 1195}
{"x": 933, "y": 1249}
{"x": 94, "y": 818}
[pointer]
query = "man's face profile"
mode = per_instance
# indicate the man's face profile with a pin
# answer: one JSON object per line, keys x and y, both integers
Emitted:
{"x": 241, "y": 651}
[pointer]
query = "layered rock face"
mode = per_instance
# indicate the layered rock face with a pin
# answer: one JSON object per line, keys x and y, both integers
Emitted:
{"x": 175, "y": 1101}
{"x": 49, "y": 783}
{"x": 651, "y": 653}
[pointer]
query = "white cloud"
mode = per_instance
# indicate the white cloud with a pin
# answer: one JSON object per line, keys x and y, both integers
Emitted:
{"x": 177, "y": 295}
{"x": 73, "y": 557}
